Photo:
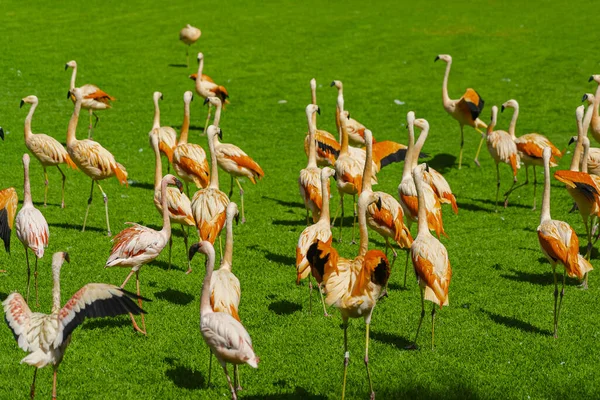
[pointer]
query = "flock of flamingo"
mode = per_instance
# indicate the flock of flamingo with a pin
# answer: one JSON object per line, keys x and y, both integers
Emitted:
{"x": 354, "y": 158}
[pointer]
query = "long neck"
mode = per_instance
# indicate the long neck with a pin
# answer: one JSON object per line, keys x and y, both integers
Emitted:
{"x": 362, "y": 225}
{"x": 313, "y": 92}
{"x": 417, "y": 148}
{"x": 368, "y": 170}
{"x": 28, "y": 121}
{"x": 217, "y": 118}
{"x": 72, "y": 128}
{"x": 214, "y": 168}
{"x": 407, "y": 168}
{"x": 156, "y": 122}
{"x": 325, "y": 200}
{"x": 344, "y": 147}
{"x": 165, "y": 209}
{"x": 513, "y": 122}
{"x": 445, "y": 97}
{"x": 545, "y": 216}
{"x": 338, "y": 110}
{"x": 422, "y": 213}
{"x": 157, "y": 166}
{"x": 205, "y": 307}
{"x": 199, "y": 78}
{"x": 587, "y": 118}
{"x": 228, "y": 255}
{"x": 56, "y": 290}
{"x": 597, "y": 100}
{"x": 312, "y": 151}
{"x": 185, "y": 126}
{"x": 73, "y": 76}
{"x": 584, "y": 160}
{"x": 27, "y": 188}
{"x": 578, "y": 147}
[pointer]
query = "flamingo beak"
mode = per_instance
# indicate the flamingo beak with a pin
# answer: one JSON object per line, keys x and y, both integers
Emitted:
{"x": 206, "y": 100}
{"x": 436, "y": 58}
{"x": 591, "y": 78}
{"x": 502, "y": 108}
{"x": 584, "y": 98}
{"x": 332, "y": 84}
{"x": 179, "y": 185}
{"x": 426, "y": 167}
{"x": 69, "y": 94}
{"x": 23, "y": 102}
{"x": 1, "y": 133}
{"x": 193, "y": 250}
{"x": 571, "y": 141}
{"x": 378, "y": 203}
{"x": 66, "y": 67}
{"x": 67, "y": 257}
{"x": 220, "y": 134}
{"x": 319, "y": 110}
{"x": 161, "y": 97}
{"x": 237, "y": 218}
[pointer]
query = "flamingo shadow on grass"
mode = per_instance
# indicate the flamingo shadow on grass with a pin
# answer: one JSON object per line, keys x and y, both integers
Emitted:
{"x": 397, "y": 341}
{"x": 492, "y": 203}
{"x": 164, "y": 265}
{"x": 3, "y": 296}
{"x": 284, "y": 307}
{"x": 289, "y": 222}
{"x": 40, "y": 204}
{"x": 442, "y": 163}
{"x": 288, "y": 204}
{"x": 184, "y": 377}
{"x": 399, "y": 287}
{"x": 537, "y": 278}
{"x": 276, "y": 258}
{"x": 298, "y": 394}
{"x": 175, "y": 297}
{"x": 142, "y": 185}
{"x": 512, "y": 322}
{"x": 77, "y": 227}
{"x": 107, "y": 323}
{"x": 191, "y": 128}
{"x": 471, "y": 207}
{"x": 178, "y": 66}
{"x": 456, "y": 391}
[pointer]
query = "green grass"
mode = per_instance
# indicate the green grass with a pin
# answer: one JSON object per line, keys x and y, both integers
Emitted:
{"x": 493, "y": 341}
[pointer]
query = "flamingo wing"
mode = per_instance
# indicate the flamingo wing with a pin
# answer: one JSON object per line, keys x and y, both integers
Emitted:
{"x": 8, "y": 210}
{"x": 136, "y": 242}
{"x": 388, "y": 152}
{"x": 581, "y": 181}
{"x": 471, "y": 103}
{"x": 18, "y": 316}
{"x": 225, "y": 292}
{"x": 232, "y": 157}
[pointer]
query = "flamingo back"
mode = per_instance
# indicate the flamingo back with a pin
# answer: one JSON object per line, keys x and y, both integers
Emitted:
{"x": 228, "y": 339}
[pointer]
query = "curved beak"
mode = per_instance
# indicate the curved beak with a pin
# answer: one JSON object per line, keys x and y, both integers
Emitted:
{"x": 571, "y": 141}
{"x": 378, "y": 203}
{"x": 161, "y": 97}
{"x": 237, "y": 219}
{"x": 584, "y": 98}
{"x": 69, "y": 94}
{"x": 206, "y": 100}
{"x": 192, "y": 98}
{"x": 335, "y": 175}
{"x": 319, "y": 110}
{"x": 591, "y": 78}
{"x": 193, "y": 250}
{"x": 502, "y": 108}
{"x": 66, "y": 67}
{"x": 436, "y": 58}
{"x": 426, "y": 167}
{"x": 332, "y": 84}
{"x": 67, "y": 257}
{"x": 22, "y": 102}
{"x": 179, "y": 185}
{"x": 220, "y": 134}
{"x": 1, "y": 133}
{"x": 348, "y": 115}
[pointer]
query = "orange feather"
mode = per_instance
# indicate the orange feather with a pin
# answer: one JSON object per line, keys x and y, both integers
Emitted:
{"x": 100, "y": 96}
{"x": 199, "y": 172}
{"x": 70, "y": 162}
{"x": 121, "y": 174}
{"x": 166, "y": 150}
{"x": 248, "y": 163}
{"x": 388, "y": 152}
{"x": 209, "y": 230}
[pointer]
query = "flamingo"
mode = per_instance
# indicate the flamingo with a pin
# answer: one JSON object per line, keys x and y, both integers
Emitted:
{"x": 167, "y": 136}
{"x": 356, "y": 130}
{"x": 559, "y": 243}
{"x": 321, "y": 230}
{"x": 189, "y": 159}
{"x": 430, "y": 260}
{"x": 530, "y": 147}
{"x": 209, "y": 205}
{"x": 206, "y": 87}
{"x": 32, "y": 229}
{"x": 595, "y": 118}
{"x": 93, "y": 159}
{"x": 48, "y": 151}
{"x": 232, "y": 159}
{"x": 189, "y": 35}
{"x": 328, "y": 147}
{"x": 8, "y": 209}
{"x": 502, "y": 148}
{"x": 353, "y": 285}
{"x": 465, "y": 110}
{"x": 139, "y": 245}
{"x": 46, "y": 336}
{"x": 178, "y": 204}
{"x": 309, "y": 180}
{"x": 93, "y": 98}
{"x": 226, "y": 337}
{"x": 593, "y": 163}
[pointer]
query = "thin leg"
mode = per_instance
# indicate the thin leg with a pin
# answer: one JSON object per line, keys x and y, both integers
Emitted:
{"x": 35, "y": 275}
{"x": 106, "y": 208}
{"x": 54, "y": 382}
{"x": 414, "y": 345}
{"x": 336, "y": 212}
{"x": 479, "y": 149}
{"x": 241, "y": 199}
{"x": 497, "y": 185}
{"x": 432, "y": 324}
{"x": 135, "y": 325}
{"x": 87, "y": 210}
{"x": 90, "y": 129}
{"x": 406, "y": 267}
{"x": 354, "y": 206}
{"x": 342, "y": 218}
{"x": 394, "y": 255}
{"x": 346, "y": 358}
{"x": 97, "y": 119}
{"x": 28, "y": 274}
{"x": 462, "y": 143}
{"x": 562, "y": 293}
{"x": 209, "y": 367}
{"x": 555, "y": 301}
{"x": 233, "y": 394}
{"x": 534, "y": 188}
{"x": 64, "y": 178}
{"x": 236, "y": 378}
{"x": 231, "y": 189}
{"x": 32, "y": 390}
{"x": 185, "y": 243}
{"x": 207, "y": 117}
{"x": 310, "y": 289}
{"x": 513, "y": 187}
{"x": 323, "y": 302}
{"x": 367, "y": 362}
{"x": 170, "y": 247}
{"x": 127, "y": 279}
{"x": 45, "y": 186}
{"x": 187, "y": 56}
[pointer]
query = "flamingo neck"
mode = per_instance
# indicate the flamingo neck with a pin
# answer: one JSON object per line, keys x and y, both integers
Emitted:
{"x": 418, "y": 147}
{"x": 166, "y": 229}
{"x": 513, "y": 123}
{"x": 313, "y": 92}
{"x": 157, "y": 166}
{"x": 338, "y": 111}
{"x": 214, "y": 168}
{"x": 545, "y": 216}
{"x": 199, "y": 77}
{"x": 156, "y": 122}
{"x": 423, "y": 226}
{"x": 185, "y": 126}
{"x": 26, "y": 186}
{"x": 407, "y": 168}
{"x": 205, "y": 307}
{"x": 312, "y": 151}
{"x": 217, "y": 118}
{"x": 344, "y": 143}
{"x": 324, "y": 200}
{"x": 73, "y": 76}
{"x": 72, "y": 128}
{"x": 56, "y": 290}
{"x": 228, "y": 255}
{"x": 362, "y": 226}
{"x": 584, "y": 160}
{"x": 445, "y": 97}
{"x": 368, "y": 170}
{"x": 28, "y": 119}
{"x": 575, "y": 161}
{"x": 596, "y": 101}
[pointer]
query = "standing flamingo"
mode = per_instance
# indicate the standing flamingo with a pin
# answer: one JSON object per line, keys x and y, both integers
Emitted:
{"x": 465, "y": 110}
{"x": 32, "y": 229}
{"x": 232, "y": 159}
{"x": 189, "y": 35}
{"x": 8, "y": 210}
{"x": 530, "y": 147}
{"x": 206, "y": 87}
{"x": 46, "y": 336}
{"x": 356, "y": 130}
{"x": 559, "y": 243}
{"x": 226, "y": 337}
{"x": 595, "y": 118}
{"x": 593, "y": 152}
{"x": 309, "y": 180}
{"x": 48, "y": 151}
{"x": 138, "y": 244}
{"x": 93, "y": 159}
{"x": 353, "y": 285}
{"x": 327, "y": 146}
{"x": 167, "y": 136}
{"x": 189, "y": 159}
{"x": 209, "y": 205}
{"x": 93, "y": 98}
{"x": 502, "y": 148}
{"x": 430, "y": 260}
{"x": 178, "y": 204}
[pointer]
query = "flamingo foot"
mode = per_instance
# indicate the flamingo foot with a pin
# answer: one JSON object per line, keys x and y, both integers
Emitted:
{"x": 189, "y": 271}
{"x": 243, "y": 220}
{"x": 476, "y": 161}
{"x": 372, "y": 396}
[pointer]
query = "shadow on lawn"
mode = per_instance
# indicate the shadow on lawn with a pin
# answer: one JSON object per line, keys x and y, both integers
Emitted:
{"x": 184, "y": 377}
{"x": 178, "y": 66}
{"x": 512, "y": 322}
{"x": 284, "y": 307}
{"x": 472, "y": 207}
{"x": 397, "y": 341}
{"x": 542, "y": 279}
{"x": 175, "y": 297}
{"x": 442, "y": 163}
{"x": 454, "y": 391}
{"x": 492, "y": 203}
{"x": 298, "y": 394}
{"x": 107, "y": 323}
{"x": 277, "y": 258}
{"x": 77, "y": 227}
{"x": 142, "y": 185}
{"x": 3, "y": 296}
{"x": 284, "y": 203}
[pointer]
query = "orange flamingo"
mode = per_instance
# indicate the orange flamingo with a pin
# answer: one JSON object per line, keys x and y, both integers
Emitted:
{"x": 189, "y": 159}
{"x": 189, "y": 35}
{"x": 232, "y": 159}
{"x": 32, "y": 229}
{"x": 46, "y": 336}
{"x": 206, "y": 87}
{"x": 167, "y": 136}
{"x": 93, "y": 159}
{"x": 353, "y": 285}
{"x": 93, "y": 98}
{"x": 595, "y": 118}
{"x": 327, "y": 146}
{"x": 465, "y": 110}
{"x": 8, "y": 210}
{"x": 48, "y": 151}
{"x": 530, "y": 147}
{"x": 178, "y": 204}
{"x": 321, "y": 230}
{"x": 309, "y": 180}
{"x": 559, "y": 243}
{"x": 502, "y": 148}
{"x": 209, "y": 205}
{"x": 430, "y": 260}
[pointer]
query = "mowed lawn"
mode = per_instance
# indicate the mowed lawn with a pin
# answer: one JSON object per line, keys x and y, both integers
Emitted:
{"x": 495, "y": 338}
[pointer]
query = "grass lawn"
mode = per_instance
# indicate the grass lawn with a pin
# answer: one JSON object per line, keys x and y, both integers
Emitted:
{"x": 493, "y": 341}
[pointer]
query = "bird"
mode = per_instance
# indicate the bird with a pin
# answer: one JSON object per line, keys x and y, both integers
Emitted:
{"x": 226, "y": 337}
{"x": 232, "y": 159}
{"x": 8, "y": 210}
{"x": 590, "y": 161}
{"x": 167, "y": 136}
{"x": 559, "y": 243}
{"x": 139, "y": 245}
{"x": 356, "y": 130}
{"x": 595, "y": 118}
{"x": 93, "y": 159}
{"x": 430, "y": 260}
{"x": 46, "y": 336}
{"x": 209, "y": 205}
{"x": 327, "y": 146}
{"x": 206, "y": 87}
{"x": 48, "y": 151}
{"x": 593, "y": 152}
{"x": 178, "y": 204}
{"x": 502, "y": 148}
{"x": 189, "y": 159}
{"x": 530, "y": 147}
{"x": 353, "y": 285}
{"x": 321, "y": 230}
{"x": 189, "y": 35}
{"x": 309, "y": 181}
{"x": 465, "y": 110}
{"x": 93, "y": 98}
{"x": 32, "y": 229}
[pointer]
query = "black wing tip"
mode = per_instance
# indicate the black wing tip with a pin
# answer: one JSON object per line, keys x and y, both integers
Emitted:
{"x": 398, "y": 156}
{"x": 5, "y": 231}
{"x": 1, "y": 133}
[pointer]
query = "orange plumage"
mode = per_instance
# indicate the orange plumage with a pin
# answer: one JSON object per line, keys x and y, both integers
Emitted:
{"x": 8, "y": 210}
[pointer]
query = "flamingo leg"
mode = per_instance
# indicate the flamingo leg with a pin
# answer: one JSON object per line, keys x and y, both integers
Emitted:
{"x": 210, "y": 355}
{"x": 562, "y": 293}
{"x": 233, "y": 393}
{"x": 105, "y": 197}
{"x": 555, "y": 300}
{"x": 28, "y": 275}
{"x": 87, "y": 210}
{"x": 346, "y": 358}
{"x": 127, "y": 279}
{"x": 534, "y": 186}
{"x": 367, "y": 362}
{"x": 35, "y": 275}
{"x": 513, "y": 187}
{"x": 406, "y": 267}
{"x": 479, "y": 149}
{"x": 185, "y": 243}
{"x": 54, "y": 379}
{"x": 354, "y": 206}
{"x": 432, "y": 324}
{"x": 310, "y": 289}
{"x": 462, "y": 143}
{"x": 45, "y": 186}
{"x": 207, "y": 117}
{"x": 342, "y": 217}
{"x": 236, "y": 378}
{"x": 414, "y": 345}
{"x": 64, "y": 178}
{"x": 323, "y": 302}
{"x": 187, "y": 56}
{"x": 231, "y": 189}
{"x": 497, "y": 185}
{"x": 170, "y": 247}
{"x": 242, "y": 199}
{"x": 137, "y": 284}
{"x": 32, "y": 389}
{"x": 90, "y": 128}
